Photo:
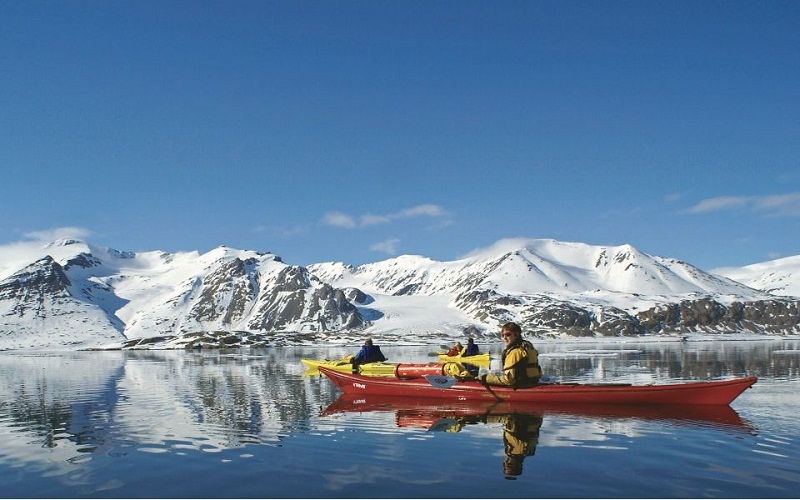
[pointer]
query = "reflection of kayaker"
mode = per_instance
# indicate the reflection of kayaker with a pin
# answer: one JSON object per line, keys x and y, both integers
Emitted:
{"x": 520, "y": 434}
{"x": 520, "y": 437}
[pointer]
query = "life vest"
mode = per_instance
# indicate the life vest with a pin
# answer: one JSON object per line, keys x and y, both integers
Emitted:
{"x": 460, "y": 370}
{"x": 526, "y": 371}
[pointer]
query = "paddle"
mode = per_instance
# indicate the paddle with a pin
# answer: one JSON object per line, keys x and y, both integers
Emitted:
{"x": 445, "y": 382}
{"x": 441, "y": 381}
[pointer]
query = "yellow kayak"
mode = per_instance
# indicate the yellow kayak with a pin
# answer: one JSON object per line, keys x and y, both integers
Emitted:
{"x": 378, "y": 368}
{"x": 477, "y": 360}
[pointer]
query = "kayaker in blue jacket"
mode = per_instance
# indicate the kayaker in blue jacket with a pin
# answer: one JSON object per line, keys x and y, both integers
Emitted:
{"x": 369, "y": 353}
{"x": 472, "y": 348}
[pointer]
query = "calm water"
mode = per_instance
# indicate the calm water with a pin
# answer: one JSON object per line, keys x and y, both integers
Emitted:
{"x": 250, "y": 424}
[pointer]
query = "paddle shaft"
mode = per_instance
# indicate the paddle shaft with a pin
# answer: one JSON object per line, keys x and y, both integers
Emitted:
{"x": 486, "y": 385}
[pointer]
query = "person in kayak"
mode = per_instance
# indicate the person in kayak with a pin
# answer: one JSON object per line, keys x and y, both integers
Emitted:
{"x": 520, "y": 361}
{"x": 369, "y": 353}
{"x": 455, "y": 350}
{"x": 472, "y": 348}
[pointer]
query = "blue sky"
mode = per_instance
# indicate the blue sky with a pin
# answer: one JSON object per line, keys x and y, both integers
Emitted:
{"x": 354, "y": 131}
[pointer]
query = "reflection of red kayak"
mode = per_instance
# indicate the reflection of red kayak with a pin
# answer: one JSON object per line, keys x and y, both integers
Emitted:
{"x": 424, "y": 413}
{"x": 717, "y": 392}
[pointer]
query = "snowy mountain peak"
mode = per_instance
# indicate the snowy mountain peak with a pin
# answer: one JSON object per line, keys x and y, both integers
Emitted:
{"x": 778, "y": 277}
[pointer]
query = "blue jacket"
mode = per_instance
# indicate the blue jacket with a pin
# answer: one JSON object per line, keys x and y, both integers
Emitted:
{"x": 369, "y": 354}
{"x": 471, "y": 350}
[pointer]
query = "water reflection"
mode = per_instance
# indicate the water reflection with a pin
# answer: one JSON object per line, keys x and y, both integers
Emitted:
{"x": 82, "y": 404}
{"x": 521, "y": 422}
{"x": 126, "y": 424}
{"x": 106, "y": 402}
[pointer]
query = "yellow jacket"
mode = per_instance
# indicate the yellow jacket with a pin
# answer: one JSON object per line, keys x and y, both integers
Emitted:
{"x": 520, "y": 366}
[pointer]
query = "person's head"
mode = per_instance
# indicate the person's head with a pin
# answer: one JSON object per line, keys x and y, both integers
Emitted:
{"x": 512, "y": 466}
{"x": 458, "y": 344}
{"x": 470, "y": 340}
{"x": 368, "y": 342}
{"x": 510, "y": 332}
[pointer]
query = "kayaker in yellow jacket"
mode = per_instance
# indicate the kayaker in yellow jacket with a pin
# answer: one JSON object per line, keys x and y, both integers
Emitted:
{"x": 520, "y": 360}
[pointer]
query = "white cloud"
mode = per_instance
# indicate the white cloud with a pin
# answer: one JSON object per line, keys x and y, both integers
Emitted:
{"x": 50, "y": 235}
{"x": 388, "y": 247}
{"x": 772, "y": 205}
{"x": 720, "y": 203}
{"x": 427, "y": 210}
{"x": 339, "y": 219}
{"x": 780, "y": 204}
{"x": 374, "y": 220}
{"x": 32, "y": 247}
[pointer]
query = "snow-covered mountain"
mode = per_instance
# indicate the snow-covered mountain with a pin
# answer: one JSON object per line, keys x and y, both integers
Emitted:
{"x": 778, "y": 277}
{"x": 70, "y": 293}
{"x": 81, "y": 295}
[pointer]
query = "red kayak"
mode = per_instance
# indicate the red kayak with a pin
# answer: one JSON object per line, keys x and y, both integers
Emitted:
{"x": 716, "y": 392}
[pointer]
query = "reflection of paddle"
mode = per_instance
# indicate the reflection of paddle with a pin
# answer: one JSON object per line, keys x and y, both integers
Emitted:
{"x": 445, "y": 382}
{"x": 443, "y": 424}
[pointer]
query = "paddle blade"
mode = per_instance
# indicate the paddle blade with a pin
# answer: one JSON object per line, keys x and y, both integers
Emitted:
{"x": 441, "y": 381}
